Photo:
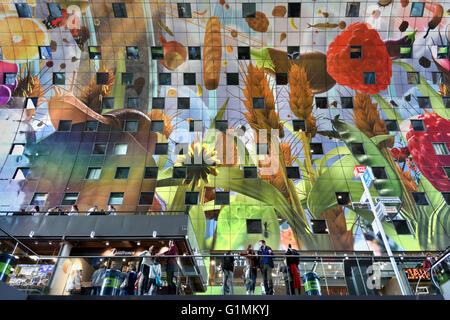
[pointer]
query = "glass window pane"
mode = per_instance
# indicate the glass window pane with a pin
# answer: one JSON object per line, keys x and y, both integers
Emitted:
{"x": 146, "y": 198}
{"x": 70, "y": 198}
{"x": 120, "y": 148}
{"x": 116, "y": 198}
{"x": 39, "y": 199}
{"x": 93, "y": 173}
{"x": 99, "y": 148}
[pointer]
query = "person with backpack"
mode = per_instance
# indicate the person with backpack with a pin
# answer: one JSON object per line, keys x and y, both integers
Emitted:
{"x": 252, "y": 264}
{"x": 266, "y": 265}
{"x": 227, "y": 270}
{"x": 292, "y": 261}
{"x": 155, "y": 278}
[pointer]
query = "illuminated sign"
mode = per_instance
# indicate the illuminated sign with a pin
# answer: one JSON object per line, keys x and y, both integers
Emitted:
{"x": 416, "y": 274}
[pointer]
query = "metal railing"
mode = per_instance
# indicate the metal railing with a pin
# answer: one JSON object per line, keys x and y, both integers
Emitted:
{"x": 88, "y": 213}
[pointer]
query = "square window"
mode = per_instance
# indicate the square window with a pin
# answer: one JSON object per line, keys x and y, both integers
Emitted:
{"x": 321, "y": 102}
{"x": 189, "y": 79}
{"x": 195, "y": 126}
{"x": 165, "y": 79}
{"x": 120, "y": 10}
{"x": 132, "y": 53}
{"x": 352, "y": 9}
{"x": 161, "y": 149}
{"x": 183, "y": 103}
{"x": 95, "y": 53}
{"x": 91, "y": 126}
{"x": 69, "y": 198}
{"x": 379, "y": 173}
{"x": 21, "y": 173}
{"x": 157, "y": 53}
{"x": 369, "y": 78}
{"x": 293, "y": 52}
{"x": 232, "y": 79}
{"x": 99, "y": 148}
{"x": 65, "y": 125}
{"x": 259, "y": 103}
{"x": 120, "y": 149}
{"x": 446, "y": 101}
{"x": 418, "y": 125}
{"x": 293, "y": 172}
{"x": 437, "y": 77}
{"x": 294, "y": 10}
{"x": 347, "y": 102}
{"x": 116, "y": 198}
{"x": 157, "y": 126}
{"x": 447, "y": 172}
{"x": 9, "y": 78}
{"x": 250, "y": 173}
{"x": 417, "y": 9}
{"x": 221, "y": 125}
{"x": 107, "y": 103}
{"x": 440, "y": 149}
{"x": 446, "y": 196}
{"x": 39, "y": 199}
{"x": 151, "y": 173}
{"x": 244, "y": 53}
{"x": 194, "y": 53}
{"x": 316, "y": 148}
{"x": 181, "y": 148}
{"x": 130, "y": 126}
{"x": 262, "y": 148}
{"x": 420, "y": 198}
{"x": 93, "y": 173}
{"x": 184, "y": 10}
{"x": 191, "y": 198}
{"x": 146, "y": 198}
{"x": 391, "y": 125}
{"x": 254, "y": 226}
{"x": 319, "y": 226}
{"x": 127, "y": 78}
{"x": 401, "y": 227}
{"x": 357, "y": 148}
{"x": 122, "y": 173}
{"x": 17, "y": 149}
{"x": 221, "y": 198}
{"x": 24, "y": 10}
{"x": 424, "y": 102}
{"x": 343, "y": 198}
{"x": 31, "y": 103}
{"x": 132, "y": 103}
{"x": 102, "y": 78}
{"x": 406, "y": 52}
{"x": 45, "y": 53}
{"x": 281, "y": 78}
{"x": 248, "y": 10}
{"x": 179, "y": 172}
{"x": 355, "y": 52}
{"x": 54, "y": 9}
{"x": 158, "y": 103}
{"x": 413, "y": 77}
{"x": 299, "y": 125}
{"x": 442, "y": 52}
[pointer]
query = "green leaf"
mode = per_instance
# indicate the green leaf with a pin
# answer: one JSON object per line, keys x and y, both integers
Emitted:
{"x": 390, "y": 112}
{"x": 339, "y": 151}
{"x": 210, "y": 135}
{"x": 262, "y": 58}
{"x": 118, "y": 89}
{"x": 381, "y": 138}
{"x": 198, "y": 221}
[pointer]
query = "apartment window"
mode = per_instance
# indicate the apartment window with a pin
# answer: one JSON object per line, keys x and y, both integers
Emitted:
{"x": 21, "y": 173}
{"x": 120, "y": 10}
{"x": 99, "y": 148}
{"x": 437, "y": 77}
{"x": 116, "y": 198}
{"x": 440, "y": 149}
{"x": 379, "y": 173}
{"x": 321, "y": 102}
{"x": 343, "y": 198}
{"x": 151, "y": 173}
{"x": 316, "y": 148}
{"x": 221, "y": 125}
{"x": 446, "y": 101}
{"x": 179, "y": 172}
{"x": 130, "y": 126}
{"x": 442, "y": 52}
{"x": 17, "y": 149}
{"x": 293, "y": 172}
{"x": 232, "y": 79}
{"x": 127, "y": 78}
{"x": 93, "y": 173}
{"x": 161, "y": 149}
{"x": 31, "y": 103}
{"x": 369, "y": 78}
{"x": 157, "y": 53}
{"x": 294, "y": 10}
{"x": 120, "y": 149}
{"x": 91, "y": 126}
{"x": 401, "y": 227}
{"x": 391, "y": 125}
{"x": 299, "y": 125}
{"x": 424, "y": 102}
{"x": 107, "y": 103}
{"x": 254, "y": 226}
{"x": 293, "y": 52}
{"x": 262, "y": 148}
{"x": 165, "y": 79}
{"x": 248, "y": 10}
{"x": 357, "y": 148}
{"x": 195, "y": 126}
{"x": 352, "y": 9}
{"x": 417, "y": 9}
{"x": 189, "y": 79}
{"x": 146, "y": 198}
{"x": 132, "y": 53}
{"x": 355, "y": 52}
{"x": 122, "y": 173}
{"x": 191, "y": 198}
{"x": 447, "y": 172}
{"x": 39, "y": 199}
{"x": 102, "y": 78}
{"x": 221, "y": 198}
{"x": 95, "y": 53}
{"x": 418, "y": 125}
{"x": 69, "y": 198}
{"x": 194, "y": 53}
{"x": 406, "y": 52}
{"x": 259, "y": 103}
{"x": 54, "y": 9}
{"x": 9, "y": 78}
{"x": 183, "y": 103}
{"x": 446, "y": 196}
{"x": 65, "y": 125}
{"x": 250, "y": 173}
{"x": 184, "y": 10}
{"x": 157, "y": 126}
{"x": 244, "y": 53}
{"x": 158, "y": 103}
{"x": 420, "y": 198}
{"x": 132, "y": 103}
{"x": 413, "y": 77}
{"x": 319, "y": 226}
{"x": 181, "y": 148}
{"x": 281, "y": 78}
{"x": 347, "y": 102}
{"x": 24, "y": 10}
{"x": 45, "y": 53}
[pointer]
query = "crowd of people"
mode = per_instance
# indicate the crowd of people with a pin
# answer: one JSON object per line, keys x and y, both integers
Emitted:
{"x": 74, "y": 211}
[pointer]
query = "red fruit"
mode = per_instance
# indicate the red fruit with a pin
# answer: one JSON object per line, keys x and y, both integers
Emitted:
{"x": 375, "y": 58}
{"x": 420, "y": 144}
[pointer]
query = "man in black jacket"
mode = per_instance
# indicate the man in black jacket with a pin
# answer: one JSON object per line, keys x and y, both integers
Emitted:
{"x": 266, "y": 266}
{"x": 228, "y": 269}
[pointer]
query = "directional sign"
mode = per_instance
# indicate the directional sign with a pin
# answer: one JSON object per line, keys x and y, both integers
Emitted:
{"x": 361, "y": 205}
{"x": 359, "y": 170}
{"x": 367, "y": 177}
{"x": 380, "y": 211}
{"x": 389, "y": 200}
{"x": 391, "y": 209}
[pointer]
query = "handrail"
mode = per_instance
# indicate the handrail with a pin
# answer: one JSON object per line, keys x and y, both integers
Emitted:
{"x": 10, "y": 213}
{"x": 17, "y": 240}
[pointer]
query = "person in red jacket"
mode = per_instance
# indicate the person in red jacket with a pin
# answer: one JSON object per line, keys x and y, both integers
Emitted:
{"x": 427, "y": 263}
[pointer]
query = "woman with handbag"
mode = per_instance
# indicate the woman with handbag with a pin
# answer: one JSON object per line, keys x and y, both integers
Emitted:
{"x": 155, "y": 278}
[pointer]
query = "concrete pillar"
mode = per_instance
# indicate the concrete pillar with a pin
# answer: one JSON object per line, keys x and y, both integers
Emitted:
{"x": 61, "y": 272}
